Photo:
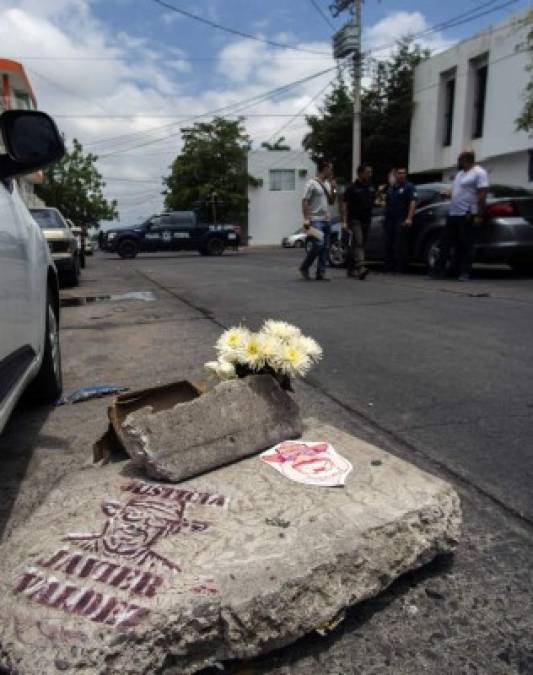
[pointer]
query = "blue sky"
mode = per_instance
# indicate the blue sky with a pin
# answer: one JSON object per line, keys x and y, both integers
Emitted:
{"x": 123, "y": 75}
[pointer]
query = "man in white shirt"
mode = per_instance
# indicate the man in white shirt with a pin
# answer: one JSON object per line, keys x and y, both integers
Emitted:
{"x": 468, "y": 200}
{"x": 319, "y": 196}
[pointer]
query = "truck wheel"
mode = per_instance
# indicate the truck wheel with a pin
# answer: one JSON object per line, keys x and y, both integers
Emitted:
{"x": 128, "y": 248}
{"x": 48, "y": 383}
{"x": 215, "y": 246}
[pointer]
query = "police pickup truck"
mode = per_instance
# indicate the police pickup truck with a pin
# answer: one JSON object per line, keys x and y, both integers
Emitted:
{"x": 173, "y": 231}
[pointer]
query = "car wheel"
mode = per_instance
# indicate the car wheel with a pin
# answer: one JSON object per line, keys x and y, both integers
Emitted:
{"x": 299, "y": 243}
{"x": 338, "y": 253}
{"x": 128, "y": 249}
{"x": 215, "y": 246}
{"x": 432, "y": 251}
{"x": 72, "y": 277}
{"x": 48, "y": 384}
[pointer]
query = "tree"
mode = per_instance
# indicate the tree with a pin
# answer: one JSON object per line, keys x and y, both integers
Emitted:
{"x": 331, "y": 131}
{"x": 525, "y": 121}
{"x": 386, "y": 111}
{"x": 75, "y": 187}
{"x": 277, "y": 146}
{"x": 211, "y": 169}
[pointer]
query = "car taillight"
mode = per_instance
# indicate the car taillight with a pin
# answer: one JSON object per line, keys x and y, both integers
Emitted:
{"x": 501, "y": 210}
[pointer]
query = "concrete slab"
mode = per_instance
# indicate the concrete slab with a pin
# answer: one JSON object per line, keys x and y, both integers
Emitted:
{"x": 210, "y": 430}
{"x": 118, "y": 574}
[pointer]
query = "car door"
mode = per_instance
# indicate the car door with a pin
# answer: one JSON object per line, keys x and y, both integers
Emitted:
{"x": 375, "y": 244}
{"x": 17, "y": 341}
{"x": 180, "y": 225}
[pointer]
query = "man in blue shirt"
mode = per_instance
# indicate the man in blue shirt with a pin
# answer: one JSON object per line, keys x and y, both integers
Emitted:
{"x": 400, "y": 207}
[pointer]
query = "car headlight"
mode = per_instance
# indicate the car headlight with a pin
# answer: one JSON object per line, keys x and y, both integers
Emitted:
{"x": 111, "y": 235}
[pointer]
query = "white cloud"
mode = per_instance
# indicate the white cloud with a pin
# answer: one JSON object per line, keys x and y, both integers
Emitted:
{"x": 92, "y": 76}
{"x": 397, "y": 25}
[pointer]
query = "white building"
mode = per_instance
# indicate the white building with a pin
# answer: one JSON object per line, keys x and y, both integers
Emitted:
{"x": 275, "y": 208}
{"x": 469, "y": 97}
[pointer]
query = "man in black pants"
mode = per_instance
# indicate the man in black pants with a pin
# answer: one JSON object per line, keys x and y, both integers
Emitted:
{"x": 358, "y": 202}
{"x": 468, "y": 199}
{"x": 400, "y": 207}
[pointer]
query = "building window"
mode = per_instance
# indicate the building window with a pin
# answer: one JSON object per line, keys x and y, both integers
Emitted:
{"x": 449, "y": 102}
{"x": 21, "y": 100}
{"x": 480, "y": 94}
{"x": 282, "y": 179}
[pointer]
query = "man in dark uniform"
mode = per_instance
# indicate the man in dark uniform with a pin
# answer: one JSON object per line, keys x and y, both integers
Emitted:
{"x": 358, "y": 202}
{"x": 400, "y": 207}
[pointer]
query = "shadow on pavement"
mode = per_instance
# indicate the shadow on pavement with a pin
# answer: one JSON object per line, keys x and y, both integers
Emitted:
{"x": 17, "y": 445}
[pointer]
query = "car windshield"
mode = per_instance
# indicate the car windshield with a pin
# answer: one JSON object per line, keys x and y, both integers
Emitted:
{"x": 48, "y": 219}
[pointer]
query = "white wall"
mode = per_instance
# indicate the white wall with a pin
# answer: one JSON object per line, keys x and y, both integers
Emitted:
{"x": 507, "y": 78}
{"x": 273, "y": 215}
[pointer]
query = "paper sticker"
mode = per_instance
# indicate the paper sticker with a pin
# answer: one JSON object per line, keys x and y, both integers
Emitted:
{"x": 311, "y": 463}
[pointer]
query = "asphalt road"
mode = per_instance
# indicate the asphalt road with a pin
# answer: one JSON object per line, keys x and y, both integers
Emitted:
{"x": 438, "y": 373}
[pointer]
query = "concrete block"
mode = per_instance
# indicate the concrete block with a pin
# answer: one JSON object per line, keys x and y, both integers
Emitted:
{"x": 118, "y": 574}
{"x": 234, "y": 419}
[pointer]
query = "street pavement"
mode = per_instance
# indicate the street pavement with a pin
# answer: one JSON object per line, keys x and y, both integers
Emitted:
{"x": 436, "y": 372}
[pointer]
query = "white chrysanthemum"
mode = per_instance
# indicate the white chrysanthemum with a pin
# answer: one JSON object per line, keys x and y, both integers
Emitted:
{"x": 310, "y": 347}
{"x": 226, "y": 370}
{"x": 293, "y": 360}
{"x": 251, "y": 353}
{"x": 280, "y": 329}
{"x": 212, "y": 367}
{"x": 271, "y": 350}
{"x": 231, "y": 342}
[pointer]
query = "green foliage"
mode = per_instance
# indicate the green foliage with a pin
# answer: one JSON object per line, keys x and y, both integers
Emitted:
{"x": 331, "y": 131}
{"x": 386, "y": 111}
{"x": 75, "y": 187}
{"x": 278, "y": 145}
{"x": 525, "y": 121}
{"x": 213, "y": 161}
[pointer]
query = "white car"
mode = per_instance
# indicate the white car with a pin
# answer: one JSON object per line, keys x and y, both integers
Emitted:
{"x": 296, "y": 240}
{"x": 29, "y": 294}
{"x": 63, "y": 243}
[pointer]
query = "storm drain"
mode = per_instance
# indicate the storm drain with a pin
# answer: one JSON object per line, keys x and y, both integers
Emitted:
{"x": 77, "y": 301}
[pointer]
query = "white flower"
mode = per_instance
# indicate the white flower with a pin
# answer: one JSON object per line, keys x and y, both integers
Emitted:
{"x": 310, "y": 347}
{"x": 230, "y": 342}
{"x": 211, "y": 367}
{"x": 226, "y": 370}
{"x": 293, "y": 360}
{"x": 280, "y": 329}
{"x": 271, "y": 349}
{"x": 251, "y": 354}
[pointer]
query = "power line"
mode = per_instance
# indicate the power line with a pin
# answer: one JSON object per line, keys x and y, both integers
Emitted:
{"x": 232, "y": 31}
{"x": 322, "y": 14}
{"x": 240, "y": 105}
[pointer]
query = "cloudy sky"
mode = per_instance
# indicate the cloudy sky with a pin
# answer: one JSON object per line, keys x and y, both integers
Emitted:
{"x": 122, "y": 75}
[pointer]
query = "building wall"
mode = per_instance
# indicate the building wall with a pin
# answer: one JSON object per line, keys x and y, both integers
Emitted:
{"x": 273, "y": 214}
{"x": 506, "y": 80}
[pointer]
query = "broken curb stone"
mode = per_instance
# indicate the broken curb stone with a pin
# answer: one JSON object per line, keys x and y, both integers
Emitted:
{"x": 118, "y": 574}
{"x": 234, "y": 419}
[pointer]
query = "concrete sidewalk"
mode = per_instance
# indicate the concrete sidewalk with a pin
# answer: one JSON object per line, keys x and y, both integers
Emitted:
{"x": 472, "y": 615}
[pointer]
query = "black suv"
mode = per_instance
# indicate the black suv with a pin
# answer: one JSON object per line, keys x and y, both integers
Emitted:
{"x": 173, "y": 231}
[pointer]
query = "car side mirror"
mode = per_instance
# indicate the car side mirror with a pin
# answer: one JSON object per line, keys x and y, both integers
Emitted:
{"x": 32, "y": 142}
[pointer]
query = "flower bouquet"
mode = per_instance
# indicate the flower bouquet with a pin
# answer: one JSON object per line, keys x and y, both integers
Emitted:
{"x": 278, "y": 349}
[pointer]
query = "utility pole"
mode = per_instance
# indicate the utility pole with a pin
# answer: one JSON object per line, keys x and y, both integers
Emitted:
{"x": 356, "y": 153}
{"x": 346, "y": 42}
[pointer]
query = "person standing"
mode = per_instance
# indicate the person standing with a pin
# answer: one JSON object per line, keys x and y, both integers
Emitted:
{"x": 358, "y": 202}
{"x": 400, "y": 208}
{"x": 468, "y": 201}
{"x": 319, "y": 196}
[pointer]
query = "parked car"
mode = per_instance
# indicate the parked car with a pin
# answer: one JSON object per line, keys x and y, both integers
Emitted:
{"x": 295, "y": 240}
{"x": 63, "y": 243}
{"x": 173, "y": 231}
{"x": 29, "y": 296}
{"x": 82, "y": 239}
{"x": 506, "y": 235}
